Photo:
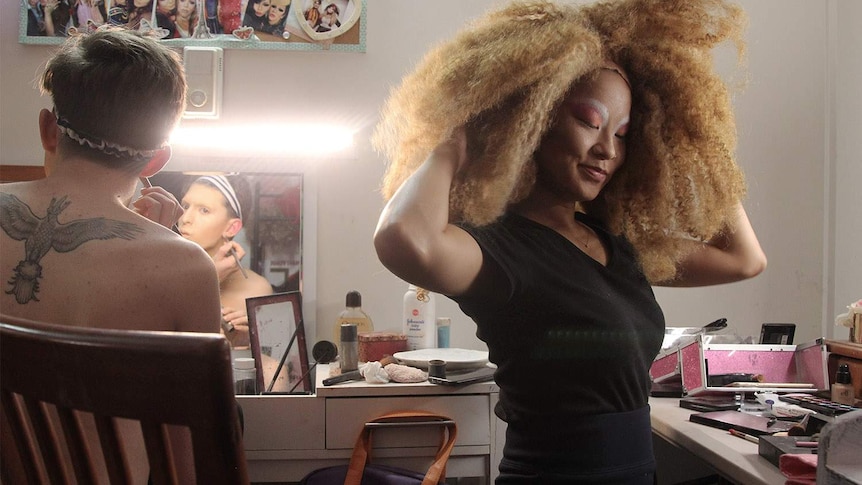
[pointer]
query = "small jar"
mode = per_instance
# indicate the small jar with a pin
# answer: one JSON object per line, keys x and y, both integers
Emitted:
{"x": 244, "y": 376}
{"x": 349, "y": 347}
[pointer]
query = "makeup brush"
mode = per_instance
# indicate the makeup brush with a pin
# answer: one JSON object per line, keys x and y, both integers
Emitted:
{"x": 354, "y": 375}
{"x": 232, "y": 252}
{"x": 227, "y": 326}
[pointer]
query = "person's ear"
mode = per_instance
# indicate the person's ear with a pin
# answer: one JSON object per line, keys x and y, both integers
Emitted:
{"x": 48, "y": 131}
{"x": 158, "y": 162}
{"x": 233, "y": 228}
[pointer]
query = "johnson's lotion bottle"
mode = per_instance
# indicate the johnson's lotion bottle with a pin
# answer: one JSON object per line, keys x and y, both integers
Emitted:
{"x": 420, "y": 319}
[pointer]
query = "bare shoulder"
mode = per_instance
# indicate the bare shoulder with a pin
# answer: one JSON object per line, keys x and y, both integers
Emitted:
{"x": 237, "y": 290}
{"x": 177, "y": 254}
{"x": 258, "y": 284}
{"x": 188, "y": 282}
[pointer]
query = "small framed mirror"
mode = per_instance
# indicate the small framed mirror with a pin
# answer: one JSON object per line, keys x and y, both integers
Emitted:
{"x": 278, "y": 345}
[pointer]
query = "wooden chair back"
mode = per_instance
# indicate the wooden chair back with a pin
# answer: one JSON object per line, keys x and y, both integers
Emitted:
{"x": 155, "y": 378}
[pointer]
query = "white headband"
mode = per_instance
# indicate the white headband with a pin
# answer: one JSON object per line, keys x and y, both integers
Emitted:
{"x": 104, "y": 146}
{"x": 221, "y": 183}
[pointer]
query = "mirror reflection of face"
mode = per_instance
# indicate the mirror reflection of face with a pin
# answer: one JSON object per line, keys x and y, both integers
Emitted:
{"x": 185, "y": 8}
{"x": 206, "y": 218}
{"x": 276, "y": 13}
{"x": 261, "y": 8}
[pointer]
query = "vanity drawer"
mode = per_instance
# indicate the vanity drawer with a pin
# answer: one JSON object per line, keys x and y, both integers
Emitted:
{"x": 345, "y": 418}
{"x": 275, "y": 422}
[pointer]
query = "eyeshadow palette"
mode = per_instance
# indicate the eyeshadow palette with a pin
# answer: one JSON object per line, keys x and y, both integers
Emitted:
{"x": 818, "y": 404}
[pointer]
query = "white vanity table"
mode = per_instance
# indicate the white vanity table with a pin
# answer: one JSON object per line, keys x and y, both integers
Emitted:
{"x": 287, "y": 436}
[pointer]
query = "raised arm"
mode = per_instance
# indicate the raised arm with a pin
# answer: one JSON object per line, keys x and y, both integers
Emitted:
{"x": 414, "y": 239}
{"x": 732, "y": 256}
{"x": 47, "y": 15}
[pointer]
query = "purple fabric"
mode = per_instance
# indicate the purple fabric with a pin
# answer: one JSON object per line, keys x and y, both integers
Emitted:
{"x": 373, "y": 475}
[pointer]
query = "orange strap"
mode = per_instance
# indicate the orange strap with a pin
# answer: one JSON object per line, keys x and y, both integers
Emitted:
{"x": 362, "y": 450}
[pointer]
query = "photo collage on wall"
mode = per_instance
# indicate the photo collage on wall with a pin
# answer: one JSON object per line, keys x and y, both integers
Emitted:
{"x": 269, "y": 21}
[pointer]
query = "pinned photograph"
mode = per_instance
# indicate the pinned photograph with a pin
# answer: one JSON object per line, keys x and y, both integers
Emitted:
{"x": 327, "y": 19}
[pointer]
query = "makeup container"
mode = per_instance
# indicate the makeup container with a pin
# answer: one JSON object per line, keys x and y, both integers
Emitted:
{"x": 376, "y": 345}
{"x": 244, "y": 376}
{"x": 842, "y": 389}
{"x": 437, "y": 368}
{"x": 349, "y": 357}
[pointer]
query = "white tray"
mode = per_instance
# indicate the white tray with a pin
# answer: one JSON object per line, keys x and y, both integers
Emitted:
{"x": 454, "y": 358}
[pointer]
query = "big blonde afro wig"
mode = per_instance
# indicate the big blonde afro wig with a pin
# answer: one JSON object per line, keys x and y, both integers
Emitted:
{"x": 504, "y": 77}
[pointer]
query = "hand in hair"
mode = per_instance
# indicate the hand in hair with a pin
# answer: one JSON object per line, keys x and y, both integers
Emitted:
{"x": 454, "y": 148}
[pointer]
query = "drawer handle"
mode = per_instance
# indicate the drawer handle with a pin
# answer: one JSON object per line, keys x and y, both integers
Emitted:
{"x": 447, "y": 422}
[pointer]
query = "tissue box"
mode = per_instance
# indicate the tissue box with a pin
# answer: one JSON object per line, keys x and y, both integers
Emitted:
{"x": 373, "y": 346}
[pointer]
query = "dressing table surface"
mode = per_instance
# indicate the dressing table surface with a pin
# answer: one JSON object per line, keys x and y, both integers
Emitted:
{"x": 733, "y": 458}
{"x": 287, "y": 436}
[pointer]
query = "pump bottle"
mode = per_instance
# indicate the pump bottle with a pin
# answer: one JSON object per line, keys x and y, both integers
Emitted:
{"x": 842, "y": 389}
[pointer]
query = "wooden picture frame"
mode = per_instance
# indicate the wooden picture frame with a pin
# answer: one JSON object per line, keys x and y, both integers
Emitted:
{"x": 278, "y": 345}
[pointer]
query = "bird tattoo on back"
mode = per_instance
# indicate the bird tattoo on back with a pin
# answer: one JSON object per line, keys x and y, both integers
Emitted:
{"x": 40, "y": 235}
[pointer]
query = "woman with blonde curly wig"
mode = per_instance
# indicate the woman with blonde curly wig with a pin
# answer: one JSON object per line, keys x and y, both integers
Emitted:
{"x": 548, "y": 165}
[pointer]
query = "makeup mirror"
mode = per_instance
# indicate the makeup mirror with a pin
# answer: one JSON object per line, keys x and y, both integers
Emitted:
{"x": 272, "y": 232}
{"x": 296, "y": 178}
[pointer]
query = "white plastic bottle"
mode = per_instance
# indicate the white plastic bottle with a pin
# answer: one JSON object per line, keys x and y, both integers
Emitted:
{"x": 420, "y": 319}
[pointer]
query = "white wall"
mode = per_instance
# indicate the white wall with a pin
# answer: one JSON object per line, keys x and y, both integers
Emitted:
{"x": 780, "y": 120}
{"x": 846, "y": 159}
{"x": 783, "y": 148}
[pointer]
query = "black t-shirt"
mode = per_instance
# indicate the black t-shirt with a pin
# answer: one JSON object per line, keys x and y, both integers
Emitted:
{"x": 572, "y": 337}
